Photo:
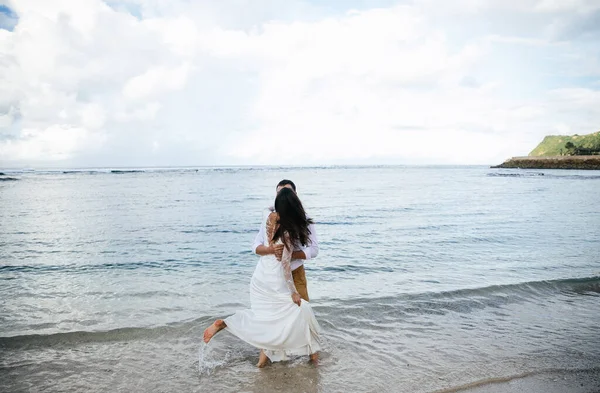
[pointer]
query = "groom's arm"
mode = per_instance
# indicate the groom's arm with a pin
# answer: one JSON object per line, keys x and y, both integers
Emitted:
{"x": 312, "y": 250}
{"x": 278, "y": 251}
{"x": 263, "y": 250}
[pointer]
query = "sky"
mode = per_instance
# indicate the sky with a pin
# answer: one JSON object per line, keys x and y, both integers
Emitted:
{"x": 87, "y": 83}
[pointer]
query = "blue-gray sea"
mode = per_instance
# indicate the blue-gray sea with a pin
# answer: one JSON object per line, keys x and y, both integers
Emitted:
{"x": 428, "y": 278}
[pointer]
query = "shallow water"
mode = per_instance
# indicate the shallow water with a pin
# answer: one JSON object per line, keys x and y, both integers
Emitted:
{"x": 428, "y": 277}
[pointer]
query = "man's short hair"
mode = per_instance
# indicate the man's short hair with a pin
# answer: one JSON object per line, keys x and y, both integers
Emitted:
{"x": 285, "y": 182}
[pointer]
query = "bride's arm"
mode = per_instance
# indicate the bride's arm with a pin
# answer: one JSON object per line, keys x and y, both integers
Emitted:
{"x": 264, "y": 233}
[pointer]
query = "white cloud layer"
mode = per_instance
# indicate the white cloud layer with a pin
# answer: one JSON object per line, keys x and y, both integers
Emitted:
{"x": 155, "y": 82}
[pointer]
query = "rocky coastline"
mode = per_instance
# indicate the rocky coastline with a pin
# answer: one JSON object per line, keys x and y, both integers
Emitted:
{"x": 556, "y": 162}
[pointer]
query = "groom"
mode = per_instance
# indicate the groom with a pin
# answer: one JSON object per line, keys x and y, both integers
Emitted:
{"x": 300, "y": 254}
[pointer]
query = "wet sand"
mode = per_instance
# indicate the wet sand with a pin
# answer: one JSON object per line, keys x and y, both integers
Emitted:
{"x": 308, "y": 379}
{"x": 579, "y": 381}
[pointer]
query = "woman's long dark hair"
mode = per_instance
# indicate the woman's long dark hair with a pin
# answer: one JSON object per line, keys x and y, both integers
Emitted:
{"x": 292, "y": 218}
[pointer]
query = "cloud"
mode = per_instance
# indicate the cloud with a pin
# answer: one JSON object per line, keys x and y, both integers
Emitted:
{"x": 143, "y": 82}
{"x": 55, "y": 143}
{"x": 580, "y": 6}
{"x": 155, "y": 81}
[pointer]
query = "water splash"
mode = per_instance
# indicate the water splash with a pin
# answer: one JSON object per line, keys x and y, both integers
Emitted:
{"x": 207, "y": 363}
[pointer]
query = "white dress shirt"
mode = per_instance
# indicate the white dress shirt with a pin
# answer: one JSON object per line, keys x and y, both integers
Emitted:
{"x": 311, "y": 250}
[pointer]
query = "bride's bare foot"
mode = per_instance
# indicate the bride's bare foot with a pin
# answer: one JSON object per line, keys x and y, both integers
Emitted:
{"x": 263, "y": 360}
{"x": 213, "y": 329}
{"x": 314, "y": 358}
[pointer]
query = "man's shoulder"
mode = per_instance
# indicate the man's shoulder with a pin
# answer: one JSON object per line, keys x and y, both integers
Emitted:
{"x": 266, "y": 212}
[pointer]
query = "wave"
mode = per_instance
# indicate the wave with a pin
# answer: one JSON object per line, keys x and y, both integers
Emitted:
{"x": 119, "y": 171}
{"x": 167, "y": 264}
{"x": 524, "y": 174}
{"x": 82, "y": 337}
{"x": 566, "y": 285}
{"x": 357, "y": 311}
{"x": 466, "y": 300}
{"x": 575, "y": 177}
{"x": 83, "y": 172}
{"x": 544, "y": 175}
{"x": 334, "y": 223}
{"x": 212, "y": 230}
{"x": 355, "y": 268}
{"x": 461, "y": 301}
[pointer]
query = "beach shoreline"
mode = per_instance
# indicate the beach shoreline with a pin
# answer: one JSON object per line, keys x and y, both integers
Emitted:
{"x": 546, "y": 381}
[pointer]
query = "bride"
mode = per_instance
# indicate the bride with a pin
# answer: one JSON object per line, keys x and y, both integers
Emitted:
{"x": 279, "y": 322}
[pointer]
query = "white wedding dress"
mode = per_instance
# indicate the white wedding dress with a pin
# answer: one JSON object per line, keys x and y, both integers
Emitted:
{"x": 274, "y": 323}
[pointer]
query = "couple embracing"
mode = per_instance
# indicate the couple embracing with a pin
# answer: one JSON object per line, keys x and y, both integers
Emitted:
{"x": 280, "y": 321}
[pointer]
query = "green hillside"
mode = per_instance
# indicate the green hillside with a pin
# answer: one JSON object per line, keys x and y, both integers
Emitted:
{"x": 556, "y": 145}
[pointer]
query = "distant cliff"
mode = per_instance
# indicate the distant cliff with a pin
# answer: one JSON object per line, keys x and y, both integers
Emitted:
{"x": 563, "y": 145}
{"x": 557, "y": 162}
{"x": 561, "y": 152}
